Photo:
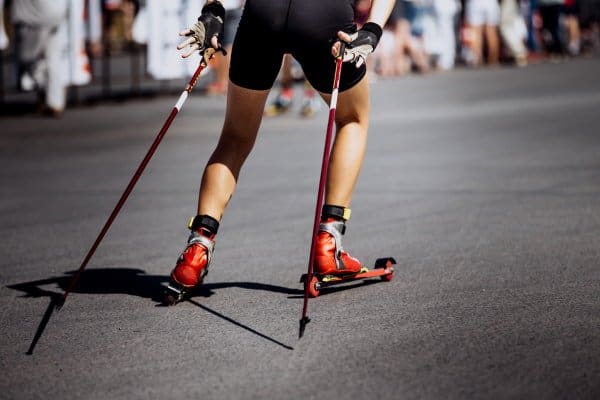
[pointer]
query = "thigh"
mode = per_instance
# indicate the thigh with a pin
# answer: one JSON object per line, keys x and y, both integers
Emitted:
{"x": 243, "y": 114}
{"x": 258, "y": 46}
{"x": 353, "y": 105}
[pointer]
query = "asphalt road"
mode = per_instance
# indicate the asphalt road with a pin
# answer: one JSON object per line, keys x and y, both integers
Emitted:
{"x": 483, "y": 184}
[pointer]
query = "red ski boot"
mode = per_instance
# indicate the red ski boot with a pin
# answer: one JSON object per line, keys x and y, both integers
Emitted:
{"x": 192, "y": 264}
{"x": 330, "y": 257}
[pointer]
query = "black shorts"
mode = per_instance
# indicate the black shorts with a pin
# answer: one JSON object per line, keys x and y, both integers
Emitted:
{"x": 304, "y": 28}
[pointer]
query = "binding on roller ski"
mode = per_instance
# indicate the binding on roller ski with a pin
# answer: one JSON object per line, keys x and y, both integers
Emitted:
{"x": 192, "y": 265}
{"x": 330, "y": 263}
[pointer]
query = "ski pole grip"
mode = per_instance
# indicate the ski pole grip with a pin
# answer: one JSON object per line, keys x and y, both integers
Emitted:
{"x": 342, "y": 50}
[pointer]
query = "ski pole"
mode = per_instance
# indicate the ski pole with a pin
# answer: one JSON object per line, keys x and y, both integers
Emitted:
{"x": 182, "y": 98}
{"x": 324, "y": 165}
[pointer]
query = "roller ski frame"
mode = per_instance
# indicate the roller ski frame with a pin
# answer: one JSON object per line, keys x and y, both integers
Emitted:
{"x": 175, "y": 293}
{"x": 383, "y": 269}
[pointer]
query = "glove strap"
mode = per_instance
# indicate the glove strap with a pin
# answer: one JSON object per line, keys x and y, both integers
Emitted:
{"x": 215, "y": 8}
{"x": 374, "y": 29}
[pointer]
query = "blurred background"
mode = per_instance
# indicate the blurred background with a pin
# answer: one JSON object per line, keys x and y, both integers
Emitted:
{"x": 57, "y": 54}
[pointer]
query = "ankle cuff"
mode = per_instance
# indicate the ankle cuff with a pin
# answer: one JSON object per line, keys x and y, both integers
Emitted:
{"x": 336, "y": 212}
{"x": 205, "y": 222}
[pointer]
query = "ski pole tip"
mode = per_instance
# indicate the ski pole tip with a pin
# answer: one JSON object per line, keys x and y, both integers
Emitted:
{"x": 303, "y": 322}
{"x": 58, "y": 301}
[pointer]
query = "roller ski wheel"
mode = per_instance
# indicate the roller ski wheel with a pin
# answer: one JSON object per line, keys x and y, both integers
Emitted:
{"x": 313, "y": 287}
{"x": 383, "y": 269}
{"x": 175, "y": 293}
{"x": 387, "y": 264}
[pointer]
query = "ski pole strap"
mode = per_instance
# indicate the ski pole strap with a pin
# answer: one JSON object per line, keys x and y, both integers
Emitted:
{"x": 337, "y": 212}
{"x": 204, "y": 221}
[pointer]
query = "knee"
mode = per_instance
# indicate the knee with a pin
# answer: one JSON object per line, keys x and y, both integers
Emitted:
{"x": 236, "y": 141}
{"x": 356, "y": 118}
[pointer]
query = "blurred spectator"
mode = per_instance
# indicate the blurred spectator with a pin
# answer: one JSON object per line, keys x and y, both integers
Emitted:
{"x": 550, "y": 11}
{"x": 409, "y": 49}
{"x": 483, "y": 17}
{"x": 221, "y": 63}
{"x": 513, "y": 30}
{"x": 284, "y": 99}
{"x": 418, "y": 14}
{"x": 3, "y": 36}
{"x": 94, "y": 29}
{"x": 157, "y": 25}
{"x": 444, "y": 17}
{"x": 573, "y": 34}
{"x": 119, "y": 18}
{"x": 40, "y": 49}
{"x": 590, "y": 24}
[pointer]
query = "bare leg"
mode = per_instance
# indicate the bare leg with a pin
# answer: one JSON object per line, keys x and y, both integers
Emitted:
{"x": 493, "y": 44}
{"x": 477, "y": 45}
{"x": 347, "y": 154}
{"x": 242, "y": 120}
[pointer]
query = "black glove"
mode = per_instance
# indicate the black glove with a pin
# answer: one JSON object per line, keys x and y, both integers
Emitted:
{"x": 362, "y": 43}
{"x": 201, "y": 34}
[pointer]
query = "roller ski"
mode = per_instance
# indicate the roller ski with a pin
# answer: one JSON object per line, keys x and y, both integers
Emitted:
{"x": 383, "y": 269}
{"x": 192, "y": 265}
{"x": 332, "y": 264}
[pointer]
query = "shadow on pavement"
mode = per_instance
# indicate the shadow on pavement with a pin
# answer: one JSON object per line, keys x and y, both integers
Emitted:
{"x": 134, "y": 282}
{"x": 130, "y": 281}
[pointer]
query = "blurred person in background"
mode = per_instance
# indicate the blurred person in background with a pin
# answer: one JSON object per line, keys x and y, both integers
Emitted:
{"x": 3, "y": 36}
{"x": 119, "y": 19}
{"x": 483, "y": 18}
{"x": 550, "y": 11}
{"x": 409, "y": 50}
{"x": 513, "y": 30}
{"x": 40, "y": 49}
{"x": 589, "y": 14}
{"x": 573, "y": 33}
{"x": 289, "y": 75}
{"x": 444, "y": 18}
{"x": 531, "y": 14}
{"x": 220, "y": 64}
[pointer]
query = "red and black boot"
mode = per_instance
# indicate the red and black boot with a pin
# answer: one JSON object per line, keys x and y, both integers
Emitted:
{"x": 330, "y": 257}
{"x": 192, "y": 265}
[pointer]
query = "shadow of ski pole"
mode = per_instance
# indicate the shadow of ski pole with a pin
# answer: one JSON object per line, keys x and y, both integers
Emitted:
{"x": 236, "y": 323}
{"x": 56, "y": 301}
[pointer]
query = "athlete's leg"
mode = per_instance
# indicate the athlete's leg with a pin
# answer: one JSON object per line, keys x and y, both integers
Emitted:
{"x": 242, "y": 120}
{"x": 348, "y": 150}
{"x": 347, "y": 153}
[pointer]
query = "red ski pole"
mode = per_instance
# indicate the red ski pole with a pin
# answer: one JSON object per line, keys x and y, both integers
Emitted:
{"x": 324, "y": 165}
{"x": 136, "y": 176}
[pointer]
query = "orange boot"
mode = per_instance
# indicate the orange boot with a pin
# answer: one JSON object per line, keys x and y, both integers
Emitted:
{"x": 193, "y": 262}
{"x": 330, "y": 257}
